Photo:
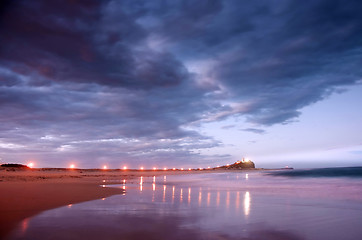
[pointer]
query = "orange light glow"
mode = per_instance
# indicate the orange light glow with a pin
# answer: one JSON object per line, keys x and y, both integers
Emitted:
{"x": 141, "y": 168}
{"x": 30, "y": 165}
{"x": 72, "y": 166}
{"x": 165, "y": 169}
{"x": 208, "y": 167}
{"x": 174, "y": 169}
{"x": 124, "y": 168}
{"x": 189, "y": 169}
{"x": 154, "y": 168}
{"x": 105, "y": 167}
{"x": 182, "y": 169}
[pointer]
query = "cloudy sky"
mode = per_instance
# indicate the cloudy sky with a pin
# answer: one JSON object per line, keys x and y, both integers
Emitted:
{"x": 173, "y": 83}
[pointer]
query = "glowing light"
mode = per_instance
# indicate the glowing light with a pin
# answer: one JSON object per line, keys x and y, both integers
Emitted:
{"x": 124, "y": 168}
{"x": 164, "y": 193}
{"x": 189, "y": 196}
{"x": 141, "y": 168}
{"x": 182, "y": 169}
{"x": 174, "y": 169}
{"x": 181, "y": 195}
{"x": 246, "y": 160}
{"x": 153, "y": 186}
{"x": 247, "y": 176}
{"x": 164, "y": 178}
{"x": 237, "y": 201}
{"x": 189, "y": 169}
{"x": 105, "y": 167}
{"x": 103, "y": 199}
{"x": 208, "y": 199}
{"x": 165, "y": 169}
{"x": 30, "y": 165}
{"x": 70, "y": 205}
{"x": 141, "y": 183}
{"x": 217, "y": 166}
{"x": 154, "y": 179}
{"x": 247, "y": 203}
{"x": 72, "y": 166}
{"x": 24, "y": 225}
{"x": 173, "y": 194}
{"x": 217, "y": 198}
{"x": 200, "y": 168}
{"x": 154, "y": 168}
{"x": 208, "y": 167}
{"x": 200, "y": 196}
{"x": 227, "y": 164}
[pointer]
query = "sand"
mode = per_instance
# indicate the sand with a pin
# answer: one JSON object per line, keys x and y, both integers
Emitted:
{"x": 27, "y": 192}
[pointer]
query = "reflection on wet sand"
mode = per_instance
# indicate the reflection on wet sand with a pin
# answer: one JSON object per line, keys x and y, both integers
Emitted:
{"x": 247, "y": 203}
{"x": 189, "y": 196}
{"x": 202, "y": 197}
{"x": 159, "y": 208}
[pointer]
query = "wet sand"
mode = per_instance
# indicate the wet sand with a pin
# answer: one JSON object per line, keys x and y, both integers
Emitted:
{"x": 27, "y": 192}
{"x": 232, "y": 205}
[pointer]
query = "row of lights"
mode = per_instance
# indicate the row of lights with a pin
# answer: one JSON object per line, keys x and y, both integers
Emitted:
{"x": 72, "y": 166}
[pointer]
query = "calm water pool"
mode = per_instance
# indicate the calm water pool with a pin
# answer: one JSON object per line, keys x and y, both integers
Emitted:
{"x": 248, "y": 205}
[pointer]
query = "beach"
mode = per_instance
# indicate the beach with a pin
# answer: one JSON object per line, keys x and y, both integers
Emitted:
{"x": 212, "y": 204}
{"x": 27, "y": 192}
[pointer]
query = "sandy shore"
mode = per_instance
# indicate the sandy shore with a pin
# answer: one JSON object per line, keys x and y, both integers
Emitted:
{"x": 27, "y": 192}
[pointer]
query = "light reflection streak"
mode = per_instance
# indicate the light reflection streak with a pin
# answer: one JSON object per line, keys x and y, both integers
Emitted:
{"x": 164, "y": 178}
{"x": 247, "y": 203}
{"x": 246, "y": 176}
{"x": 200, "y": 196}
{"x": 208, "y": 199}
{"x": 164, "y": 193}
{"x": 173, "y": 194}
{"x": 181, "y": 195}
{"x": 237, "y": 202}
{"x": 141, "y": 184}
{"x": 124, "y": 184}
{"x": 153, "y": 191}
{"x": 24, "y": 225}
{"x": 189, "y": 196}
{"x": 218, "y": 198}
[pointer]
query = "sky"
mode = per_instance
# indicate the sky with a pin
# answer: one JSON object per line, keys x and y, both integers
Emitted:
{"x": 174, "y": 83}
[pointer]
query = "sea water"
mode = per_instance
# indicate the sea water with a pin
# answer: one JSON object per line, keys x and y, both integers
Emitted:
{"x": 232, "y": 205}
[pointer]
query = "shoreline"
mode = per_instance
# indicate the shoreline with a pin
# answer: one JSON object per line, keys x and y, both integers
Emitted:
{"x": 28, "y": 192}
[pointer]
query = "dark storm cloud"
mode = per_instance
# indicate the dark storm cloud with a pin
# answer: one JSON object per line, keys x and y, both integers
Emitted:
{"x": 102, "y": 79}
